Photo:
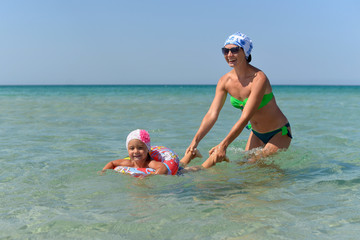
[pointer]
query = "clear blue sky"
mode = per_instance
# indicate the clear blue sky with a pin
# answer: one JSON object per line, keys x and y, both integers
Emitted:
{"x": 176, "y": 42}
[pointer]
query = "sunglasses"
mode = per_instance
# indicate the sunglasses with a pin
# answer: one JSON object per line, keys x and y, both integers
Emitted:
{"x": 233, "y": 50}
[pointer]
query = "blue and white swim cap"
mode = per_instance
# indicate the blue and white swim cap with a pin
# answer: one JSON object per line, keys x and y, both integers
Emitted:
{"x": 242, "y": 41}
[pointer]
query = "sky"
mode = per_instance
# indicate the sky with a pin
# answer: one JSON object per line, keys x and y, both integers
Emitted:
{"x": 61, "y": 42}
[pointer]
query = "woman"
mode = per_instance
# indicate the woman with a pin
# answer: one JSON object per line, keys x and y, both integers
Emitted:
{"x": 251, "y": 92}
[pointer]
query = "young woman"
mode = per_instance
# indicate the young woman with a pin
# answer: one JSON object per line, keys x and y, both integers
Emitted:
{"x": 250, "y": 91}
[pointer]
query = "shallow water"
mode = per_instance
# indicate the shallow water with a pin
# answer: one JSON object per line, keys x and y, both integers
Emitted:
{"x": 55, "y": 139}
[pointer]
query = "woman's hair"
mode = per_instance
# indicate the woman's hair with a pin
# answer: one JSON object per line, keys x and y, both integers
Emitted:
{"x": 249, "y": 58}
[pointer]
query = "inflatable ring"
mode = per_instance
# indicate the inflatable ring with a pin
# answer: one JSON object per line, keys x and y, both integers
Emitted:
{"x": 158, "y": 153}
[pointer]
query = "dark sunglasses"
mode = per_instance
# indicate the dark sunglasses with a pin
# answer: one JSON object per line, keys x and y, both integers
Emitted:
{"x": 226, "y": 51}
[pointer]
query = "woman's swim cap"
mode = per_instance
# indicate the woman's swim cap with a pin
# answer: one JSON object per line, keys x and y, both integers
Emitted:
{"x": 141, "y": 135}
{"x": 241, "y": 40}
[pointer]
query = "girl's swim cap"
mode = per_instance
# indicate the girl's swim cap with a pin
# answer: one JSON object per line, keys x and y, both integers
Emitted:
{"x": 241, "y": 40}
{"x": 141, "y": 135}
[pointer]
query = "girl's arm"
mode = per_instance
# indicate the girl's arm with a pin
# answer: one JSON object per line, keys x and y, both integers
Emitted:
{"x": 114, "y": 164}
{"x": 159, "y": 167}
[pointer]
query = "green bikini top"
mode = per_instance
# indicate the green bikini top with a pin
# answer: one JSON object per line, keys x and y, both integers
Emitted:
{"x": 241, "y": 104}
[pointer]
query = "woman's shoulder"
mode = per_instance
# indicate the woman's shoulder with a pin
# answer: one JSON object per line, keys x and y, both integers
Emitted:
{"x": 226, "y": 79}
{"x": 261, "y": 81}
{"x": 259, "y": 76}
{"x": 258, "y": 73}
{"x": 227, "y": 76}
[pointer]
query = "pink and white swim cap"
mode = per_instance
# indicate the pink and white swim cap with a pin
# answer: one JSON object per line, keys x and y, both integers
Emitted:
{"x": 141, "y": 135}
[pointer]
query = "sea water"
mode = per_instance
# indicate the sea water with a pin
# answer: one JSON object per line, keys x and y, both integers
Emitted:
{"x": 55, "y": 139}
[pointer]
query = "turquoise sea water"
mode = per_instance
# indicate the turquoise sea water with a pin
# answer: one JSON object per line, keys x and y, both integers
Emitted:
{"x": 54, "y": 140}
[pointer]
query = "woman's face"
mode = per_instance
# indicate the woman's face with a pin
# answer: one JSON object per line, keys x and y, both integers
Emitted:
{"x": 234, "y": 58}
{"x": 137, "y": 150}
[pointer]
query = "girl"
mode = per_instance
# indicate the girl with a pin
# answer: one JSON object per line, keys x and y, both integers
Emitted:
{"x": 144, "y": 159}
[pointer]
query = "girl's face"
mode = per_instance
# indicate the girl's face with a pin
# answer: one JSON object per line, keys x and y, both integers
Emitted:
{"x": 235, "y": 56}
{"x": 137, "y": 150}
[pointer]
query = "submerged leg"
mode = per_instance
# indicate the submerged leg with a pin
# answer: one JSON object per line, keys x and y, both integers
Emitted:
{"x": 253, "y": 142}
{"x": 276, "y": 143}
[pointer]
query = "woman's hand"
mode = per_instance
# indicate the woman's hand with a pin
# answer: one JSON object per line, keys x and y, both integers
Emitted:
{"x": 219, "y": 153}
{"x": 215, "y": 157}
{"x": 192, "y": 148}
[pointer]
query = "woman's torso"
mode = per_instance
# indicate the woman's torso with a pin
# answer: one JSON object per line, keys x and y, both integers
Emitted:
{"x": 268, "y": 117}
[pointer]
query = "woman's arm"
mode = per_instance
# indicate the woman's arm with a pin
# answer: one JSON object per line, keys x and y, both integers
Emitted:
{"x": 211, "y": 116}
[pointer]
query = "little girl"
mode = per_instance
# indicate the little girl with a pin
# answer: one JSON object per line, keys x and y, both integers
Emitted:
{"x": 144, "y": 159}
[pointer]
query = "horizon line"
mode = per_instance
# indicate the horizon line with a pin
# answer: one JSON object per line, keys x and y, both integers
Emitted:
{"x": 83, "y": 85}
